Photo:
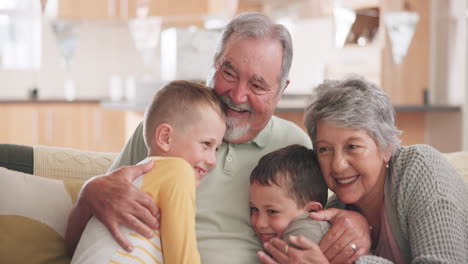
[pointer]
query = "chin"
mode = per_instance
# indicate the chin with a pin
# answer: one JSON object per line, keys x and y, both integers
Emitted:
{"x": 348, "y": 198}
{"x": 235, "y": 131}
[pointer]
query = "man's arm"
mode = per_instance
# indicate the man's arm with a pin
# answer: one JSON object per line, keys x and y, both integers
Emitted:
{"x": 77, "y": 220}
{"x": 114, "y": 200}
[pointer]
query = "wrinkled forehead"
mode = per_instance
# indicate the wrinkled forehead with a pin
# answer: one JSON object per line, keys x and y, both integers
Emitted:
{"x": 261, "y": 60}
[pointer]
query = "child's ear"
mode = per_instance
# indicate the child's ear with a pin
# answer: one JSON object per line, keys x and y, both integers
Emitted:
{"x": 313, "y": 206}
{"x": 163, "y": 137}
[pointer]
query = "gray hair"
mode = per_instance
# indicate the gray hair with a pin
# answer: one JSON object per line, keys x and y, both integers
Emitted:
{"x": 354, "y": 103}
{"x": 256, "y": 25}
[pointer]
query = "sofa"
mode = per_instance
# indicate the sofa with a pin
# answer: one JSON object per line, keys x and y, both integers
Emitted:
{"x": 34, "y": 207}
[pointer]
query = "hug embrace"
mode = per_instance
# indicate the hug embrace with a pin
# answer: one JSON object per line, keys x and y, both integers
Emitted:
{"x": 262, "y": 181}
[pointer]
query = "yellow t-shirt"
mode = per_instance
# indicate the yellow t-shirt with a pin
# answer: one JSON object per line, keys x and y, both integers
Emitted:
{"x": 171, "y": 183}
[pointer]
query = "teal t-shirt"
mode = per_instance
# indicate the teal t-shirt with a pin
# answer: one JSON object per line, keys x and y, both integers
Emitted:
{"x": 224, "y": 234}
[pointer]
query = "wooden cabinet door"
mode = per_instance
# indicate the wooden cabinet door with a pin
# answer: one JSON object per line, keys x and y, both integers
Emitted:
{"x": 86, "y": 9}
{"x": 85, "y": 126}
{"x": 64, "y": 125}
{"x": 107, "y": 132}
{"x": 19, "y": 123}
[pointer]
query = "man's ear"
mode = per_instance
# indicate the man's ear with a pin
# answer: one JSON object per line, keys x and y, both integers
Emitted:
{"x": 285, "y": 86}
{"x": 313, "y": 206}
{"x": 163, "y": 137}
{"x": 282, "y": 92}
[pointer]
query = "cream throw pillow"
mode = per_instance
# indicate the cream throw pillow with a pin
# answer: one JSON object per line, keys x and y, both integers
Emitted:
{"x": 33, "y": 217}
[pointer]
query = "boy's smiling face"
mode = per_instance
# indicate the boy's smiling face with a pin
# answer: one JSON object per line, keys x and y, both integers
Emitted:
{"x": 197, "y": 144}
{"x": 271, "y": 210}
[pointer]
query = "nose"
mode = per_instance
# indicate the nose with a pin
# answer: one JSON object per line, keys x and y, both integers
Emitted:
{"x": 260, "y": 221}
{"x": 211, "y": 160}
{"x": 239, "y": 93}
{"x": 339, "y": 162}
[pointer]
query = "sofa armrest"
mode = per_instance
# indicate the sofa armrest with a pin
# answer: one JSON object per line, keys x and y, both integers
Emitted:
{"x": 67, "y": 163}
{"x": 16, "y": 157}
{"x": 459, "y": 160}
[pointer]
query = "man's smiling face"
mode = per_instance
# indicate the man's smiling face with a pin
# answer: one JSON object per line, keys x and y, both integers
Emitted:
{"x": 247, "y": 80}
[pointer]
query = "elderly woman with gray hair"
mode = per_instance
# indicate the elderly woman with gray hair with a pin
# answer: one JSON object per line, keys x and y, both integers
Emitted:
{"x": 414, "y": 201}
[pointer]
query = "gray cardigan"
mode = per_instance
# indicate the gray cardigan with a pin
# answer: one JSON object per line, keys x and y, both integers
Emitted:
{"x": 426, "y": 202}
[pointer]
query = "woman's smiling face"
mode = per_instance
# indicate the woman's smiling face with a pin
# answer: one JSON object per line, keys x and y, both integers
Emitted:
{"x": 351, "y": 162}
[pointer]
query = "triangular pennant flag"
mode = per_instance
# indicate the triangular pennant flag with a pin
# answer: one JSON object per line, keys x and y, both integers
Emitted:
{"x": 400, "y": 27}
{"x": 43, "y": 5}
{"x": 66, "y": 35}
{"x": 145, "y": 34}
{"x": 344, "y": 19}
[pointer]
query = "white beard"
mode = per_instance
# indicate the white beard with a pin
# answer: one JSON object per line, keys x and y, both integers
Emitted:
{"x": 235, "y": 131}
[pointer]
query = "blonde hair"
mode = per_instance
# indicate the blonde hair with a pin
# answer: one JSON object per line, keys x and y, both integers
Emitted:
{"x": 178, "y": 103}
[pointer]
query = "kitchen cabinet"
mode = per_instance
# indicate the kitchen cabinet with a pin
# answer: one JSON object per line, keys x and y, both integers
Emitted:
{"x": 19, "y": 124}
{"x": 83, "y": 9}
{"x": 370, "y": 54}
{"x": 128, "y": 9}
{"x": 408, "y": 82}
{"x": 81, "y": 125}
{"x": 439, "y": 126}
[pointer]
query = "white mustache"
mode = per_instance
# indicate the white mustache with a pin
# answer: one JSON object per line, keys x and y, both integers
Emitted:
{"x": 228, "y": 102}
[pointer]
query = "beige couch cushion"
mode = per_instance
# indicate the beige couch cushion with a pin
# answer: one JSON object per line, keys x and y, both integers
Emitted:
{"x": 67, "y": 163}
{"x": 33, "y": 217}
{"x": 460, "y": 161}
{"x": 33, "y": 210}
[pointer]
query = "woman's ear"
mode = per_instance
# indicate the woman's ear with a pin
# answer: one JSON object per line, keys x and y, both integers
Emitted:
{"x": 313, "y": 206}
{"x": 163, "y": 137}
{"x": 388, "y": 154}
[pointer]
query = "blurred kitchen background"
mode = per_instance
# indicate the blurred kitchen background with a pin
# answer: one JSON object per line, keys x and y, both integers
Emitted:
{"x": 80, "y": 73}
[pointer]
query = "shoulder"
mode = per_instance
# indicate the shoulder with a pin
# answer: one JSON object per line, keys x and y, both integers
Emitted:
{"x": 172, "y": 169}
{"x": 305, "y": 220}
{"x": 307, "y": 227}
{"x": 288, "y": 132}
{"x": 422, "y": 162}
{"x": 421, "y": 173}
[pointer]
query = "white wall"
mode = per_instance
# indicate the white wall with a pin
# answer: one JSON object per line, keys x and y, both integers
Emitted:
{"x": 104, "y": 48}
{"x": 448, "y": 47}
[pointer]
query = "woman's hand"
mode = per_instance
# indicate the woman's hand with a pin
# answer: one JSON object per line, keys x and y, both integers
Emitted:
{"x": 282, "y": 253}
{"x": 348, "y": 228}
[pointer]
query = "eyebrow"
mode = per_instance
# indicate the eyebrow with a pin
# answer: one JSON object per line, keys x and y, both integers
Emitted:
{"x": 260, "y": 80}
{"x": 354, "y": 138}
{"x": 255, "y": 78}
{"x": 348, "y": 139}
{"x": 229, "y": 65}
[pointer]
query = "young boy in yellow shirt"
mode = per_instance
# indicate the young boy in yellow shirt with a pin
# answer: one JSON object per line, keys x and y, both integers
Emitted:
{"x": 183, "y": 127}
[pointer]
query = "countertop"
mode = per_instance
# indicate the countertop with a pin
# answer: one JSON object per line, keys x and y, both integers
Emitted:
{"x": 289, "y": 103}
{"x": 49, "y": 101}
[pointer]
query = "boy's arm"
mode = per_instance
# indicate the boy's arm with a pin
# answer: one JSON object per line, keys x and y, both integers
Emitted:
{"x": 114, "y": 200}
{"x": 176, "y": 199}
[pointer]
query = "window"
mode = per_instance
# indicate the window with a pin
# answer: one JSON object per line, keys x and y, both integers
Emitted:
{"x": 20, "y": 34}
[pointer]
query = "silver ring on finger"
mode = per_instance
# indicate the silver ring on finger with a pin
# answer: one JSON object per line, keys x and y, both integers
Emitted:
{"x": 353, "y": 246}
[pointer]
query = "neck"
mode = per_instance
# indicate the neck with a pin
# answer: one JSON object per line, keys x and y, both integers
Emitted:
{"x": 371, "y": 207}
{"x": 155, "y": 153}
